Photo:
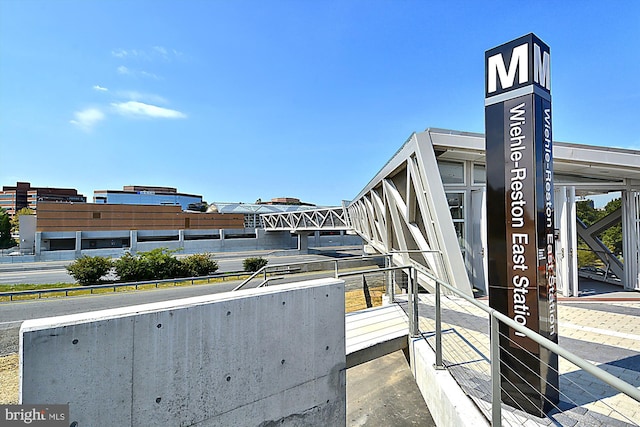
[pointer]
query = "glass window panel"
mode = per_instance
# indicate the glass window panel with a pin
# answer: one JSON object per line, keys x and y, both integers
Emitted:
{"x": 451, "y": 172}
{"x": 459, "y": 227}
{"x": 479, "y": 174}
{"x": 456, "y": 205}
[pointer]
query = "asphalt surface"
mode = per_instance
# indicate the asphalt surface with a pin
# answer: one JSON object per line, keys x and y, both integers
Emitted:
{"x": 55, "y": 272}
{"x": 379, "y": 393}
{"x": 383, "y": 393}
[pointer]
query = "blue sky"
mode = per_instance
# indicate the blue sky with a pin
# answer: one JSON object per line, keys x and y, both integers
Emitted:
{"x": 240, "y": 100}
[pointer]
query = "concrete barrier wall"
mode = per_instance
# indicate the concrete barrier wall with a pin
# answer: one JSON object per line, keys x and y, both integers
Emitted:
{"x": 271, "y": 356}
{"x": 448, "y": 404}
{"x": 263, "y": 241}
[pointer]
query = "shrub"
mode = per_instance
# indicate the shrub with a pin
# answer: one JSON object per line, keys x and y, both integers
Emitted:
{"x": 161, "y": 264}
{"x": 254, "y": 264}
{"x": 199, "y": 265}
{"x": 88, "y": 270}
{"x": 155, "y": 264}
{"x": 128, "y": 268}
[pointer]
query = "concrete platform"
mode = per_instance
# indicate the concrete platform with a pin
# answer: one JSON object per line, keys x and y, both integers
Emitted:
{"x": 375, "y": 332}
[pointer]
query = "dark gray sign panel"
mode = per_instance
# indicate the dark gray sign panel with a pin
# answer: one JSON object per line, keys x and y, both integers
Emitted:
{"x": 520, "y": 227}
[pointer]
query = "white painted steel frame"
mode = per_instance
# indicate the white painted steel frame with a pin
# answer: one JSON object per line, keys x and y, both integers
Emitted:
{"x": 404, "y": 211}
{"x": 631, "y": 241}
{"x": 308, "y": 220}
{"x": 567, "y": 243}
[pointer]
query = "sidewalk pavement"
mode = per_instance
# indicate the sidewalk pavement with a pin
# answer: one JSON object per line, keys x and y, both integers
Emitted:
{"x": 603, "y": 328}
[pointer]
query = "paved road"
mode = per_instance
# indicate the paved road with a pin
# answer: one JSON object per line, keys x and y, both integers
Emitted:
{"x": 54, "y": 272}
{"x": 12, "y": 314}
{"x": 379, "y": 393}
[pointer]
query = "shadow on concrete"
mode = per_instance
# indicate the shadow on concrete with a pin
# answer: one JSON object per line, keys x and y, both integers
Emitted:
{"x": 383, "y": 393}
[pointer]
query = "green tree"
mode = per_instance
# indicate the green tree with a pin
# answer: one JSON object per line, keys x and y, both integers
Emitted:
{"x": 5, "y": 231}
{"x": 199, "y": 265}
{"x": 588, "y": 215}
{"x": 15, "y": 221}
{"x": 586, "y": 212}
{"x": 254, "y": 264}
{"x": 612, "y": 237}
{"x": 89, "y": 270}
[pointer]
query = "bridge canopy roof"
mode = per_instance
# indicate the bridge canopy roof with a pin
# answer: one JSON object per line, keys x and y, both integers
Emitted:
{"x": 592, "y": 169}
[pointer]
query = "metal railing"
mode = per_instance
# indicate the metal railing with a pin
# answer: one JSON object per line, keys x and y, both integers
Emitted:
{"x": 114, "y": 286}
{"x": 495, "y": 318}
{"x": 298, "y": 267}
{"x": 412, "y": 291}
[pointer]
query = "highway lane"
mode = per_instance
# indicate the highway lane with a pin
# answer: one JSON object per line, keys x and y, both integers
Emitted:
{"x": 33, "y": 274}
{"x": 12, "y": 314}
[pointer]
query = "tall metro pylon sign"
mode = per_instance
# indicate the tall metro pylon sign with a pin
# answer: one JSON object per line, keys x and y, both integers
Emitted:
{"x": 520, "y": 225}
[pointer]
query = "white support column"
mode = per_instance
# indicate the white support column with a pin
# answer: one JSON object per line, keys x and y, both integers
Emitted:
{"x": 566, "y": 245}
{"x": 38, "y": 243}
{"x": 78, "y": 243}
{"x": 133, "y": 241}
{"x": 631, "y": 239}
{"x": 303, "y": 241}
{"x": 573, "y": 241}
{"x": 181, "y": 238}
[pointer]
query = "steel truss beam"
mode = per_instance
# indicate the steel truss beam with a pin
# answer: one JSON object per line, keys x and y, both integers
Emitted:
{"x": 404, "y": 211}
{"x": 307, "y": 220}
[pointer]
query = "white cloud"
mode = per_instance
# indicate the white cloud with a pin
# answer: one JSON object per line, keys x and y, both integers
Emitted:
{"x": 161, "y": 50}
{"x": 140, "y": 109}
{"x": 125, "y": 71}
{"x": 119, "y": 53}
{"x": 150, "y": 75}
{"x": 128, "y": 53}
{"x": 100, "y": 88}
{"x": 148, "y": 54}
{"x": 139, "y": 96}
{"x": 87, "y": 118}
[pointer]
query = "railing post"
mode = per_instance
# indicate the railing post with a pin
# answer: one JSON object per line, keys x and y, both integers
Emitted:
{"x": 414, "y": 329}
{"x": 336, "y": 269}
{"x": 410, "y": 300}
{"x": 389, "y": 288}
{"x": 439, "y": 364}
{"x": 496, "y": 400}
{"x": 265, "y": 274}
{"x": 416, "y": 287}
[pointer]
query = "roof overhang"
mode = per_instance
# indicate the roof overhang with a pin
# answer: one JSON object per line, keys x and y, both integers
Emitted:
{"x": 591, "y": 169}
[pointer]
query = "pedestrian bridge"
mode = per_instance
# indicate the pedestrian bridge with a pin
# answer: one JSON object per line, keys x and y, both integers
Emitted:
{"x": 426, "y": 209}
{"x": 307, "y": 220}
{"x": 427, "y": 205}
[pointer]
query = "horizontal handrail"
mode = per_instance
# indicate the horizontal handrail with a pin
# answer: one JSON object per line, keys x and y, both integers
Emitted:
{"x": 270, "y": 279}
{"x": 265, "y": 269}
{"x": 91, "y": 288}
{"x": 599, "y": 373}
{"x": 374, "y": 270}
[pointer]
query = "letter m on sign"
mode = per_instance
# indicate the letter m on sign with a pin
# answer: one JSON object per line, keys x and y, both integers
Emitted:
{"x": 497, "y": 69}
{"x": 541, "y": 67}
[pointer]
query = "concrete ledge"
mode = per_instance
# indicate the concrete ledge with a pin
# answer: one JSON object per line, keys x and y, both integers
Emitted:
{"x": 269, "y": 356}
{"x": 448, "y": 404}
{"x": 377, "y": 350}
